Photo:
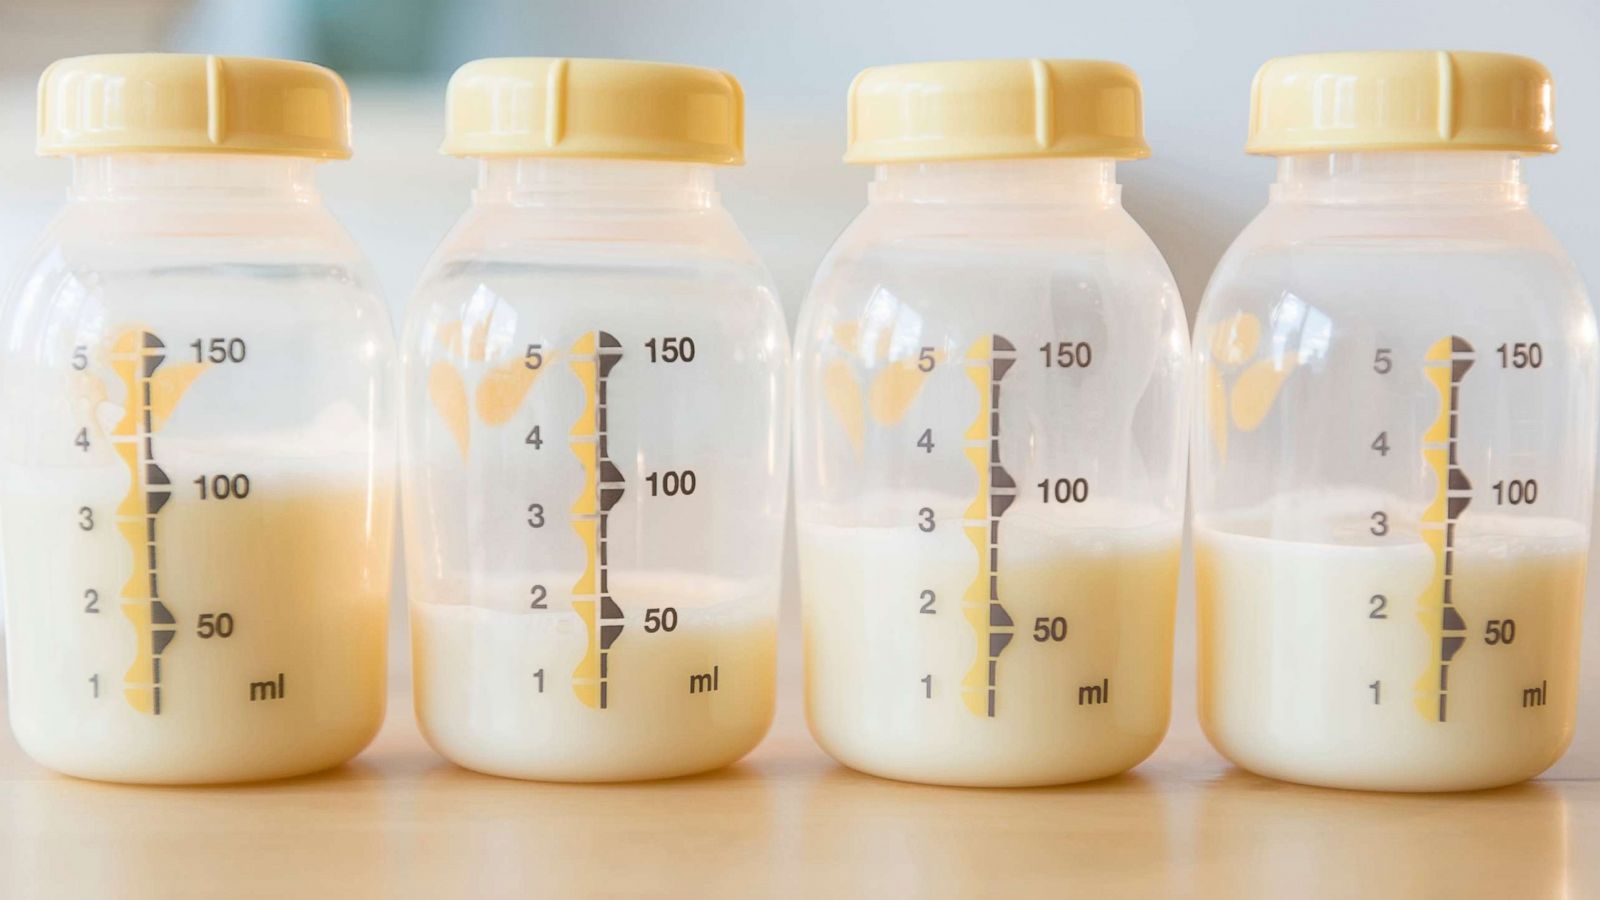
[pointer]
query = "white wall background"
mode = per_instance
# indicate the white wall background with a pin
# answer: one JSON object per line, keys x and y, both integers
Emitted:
{"x": 796, "y": 59}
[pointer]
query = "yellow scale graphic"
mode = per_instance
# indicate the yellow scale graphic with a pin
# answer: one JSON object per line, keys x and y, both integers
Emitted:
{"x": 1445, "y": 364}
{"x": 500, "y": 389}
{"x": 987, "y": 361}
{"x": 592, "y": 358}
{"x": 150, "y": 398}
{"x": 889, "y": 393}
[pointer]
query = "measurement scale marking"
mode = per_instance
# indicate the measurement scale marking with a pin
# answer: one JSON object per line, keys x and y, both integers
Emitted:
{"x": 987, "y": 362}
{"x": 1445, "y": 366}
{"x": 136, "y": 357}
{"x": 593, "y": 357}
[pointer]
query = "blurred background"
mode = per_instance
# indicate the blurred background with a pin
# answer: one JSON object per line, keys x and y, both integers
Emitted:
{"x": 795, "y": 60}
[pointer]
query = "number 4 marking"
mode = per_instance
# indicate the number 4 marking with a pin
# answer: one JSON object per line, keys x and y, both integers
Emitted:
{"x": 1381, "y": 443}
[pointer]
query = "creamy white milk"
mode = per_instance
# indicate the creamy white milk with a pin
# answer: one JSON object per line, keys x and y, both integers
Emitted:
{"x": 1319, "y": 662}
{"x": 1081, "y": 690}
{"x": 276, "y": 660}
{"x": 501, "y": 687}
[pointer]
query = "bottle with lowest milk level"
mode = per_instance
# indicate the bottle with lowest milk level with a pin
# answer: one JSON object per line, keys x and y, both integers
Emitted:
{"x": 1393, "y": 467}
{"x": 991, "y": 394}
{"x": 195, "y": 473}
{"x": 596, "y": 445}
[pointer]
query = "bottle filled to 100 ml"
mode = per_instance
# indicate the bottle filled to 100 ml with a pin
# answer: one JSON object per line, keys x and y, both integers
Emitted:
{"x": 196, "y": 468}
{"x": 1393, "y": 463}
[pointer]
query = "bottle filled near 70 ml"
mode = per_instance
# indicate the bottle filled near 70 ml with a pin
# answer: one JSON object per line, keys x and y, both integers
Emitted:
{"x": 597, "y": 435}
{"x": 991, "y": 392}
{"x": 1394, "y": 462}
{"x": 195, "y": 477}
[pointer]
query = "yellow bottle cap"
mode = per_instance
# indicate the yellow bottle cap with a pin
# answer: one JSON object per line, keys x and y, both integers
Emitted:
{"x": 181, "y": 103}
{"x": 996, "y": 109}
{"x": 594, "y": 109}
{"x": 1401, "y": 100}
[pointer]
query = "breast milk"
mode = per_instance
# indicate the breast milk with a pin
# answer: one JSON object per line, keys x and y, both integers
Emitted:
{"x": 1322, "y": 662}
{"x": 275, "y": 664}
{"x": 501, "y": 686}
{"x": 1081, "y": 689}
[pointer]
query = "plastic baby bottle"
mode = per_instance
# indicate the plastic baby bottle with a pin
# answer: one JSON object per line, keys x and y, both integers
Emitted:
{"x": 992, "y": 397}
{"x": 596, "y": 438}
{"x": 1392, "y": 469}
{"x": 196, "y": 466}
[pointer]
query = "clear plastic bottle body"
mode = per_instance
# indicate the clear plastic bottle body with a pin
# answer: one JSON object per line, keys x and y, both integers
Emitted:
{"x": 197, "y": 498}
{"x": 594, "y": 459}
{"x": 1393, "y": 475}
{"x": 992, "y": 397}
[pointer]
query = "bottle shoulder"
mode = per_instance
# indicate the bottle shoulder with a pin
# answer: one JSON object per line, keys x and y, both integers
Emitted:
{"x": 124, "y": 256}
{"x": 918, "y": 249}
{"x": 943, "y": 278}
{"x": 1013, "y": 223}
{"x": 108, "y": 240}
{"x": 1469, "y": 260}
{"x": 594, "y": 238}
{"x": 520, "y": 255}
{"x": 261, "y": 230}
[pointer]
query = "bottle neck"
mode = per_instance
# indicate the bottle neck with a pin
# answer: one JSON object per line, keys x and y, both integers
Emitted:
{"x": 525, "y": 181}
{"x": 1009, "y": 181}
{"x": 1401, "y": 178}
{"x": 194, "y": 177}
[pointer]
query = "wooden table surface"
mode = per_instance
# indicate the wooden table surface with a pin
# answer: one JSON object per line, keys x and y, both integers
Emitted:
{"x": 787, "y": 821}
